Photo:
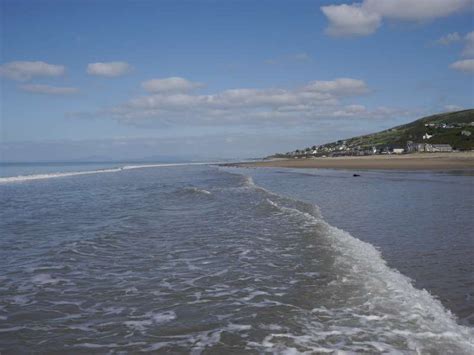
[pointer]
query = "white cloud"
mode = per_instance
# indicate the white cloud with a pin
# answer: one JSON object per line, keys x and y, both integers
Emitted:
{"x": 467, "y": 40}
{"x": 449, "y": 38}
{"x": 172, "y": 84}
{"x": 361, "y": 19}
{"x": 24, "y": 70}
{"x": 466, "y": 65}
{"x": 350, "y": 110}
{"x": 415, "y": 10}
{"x": 48, "y": 89}
{"x": 316, "y": 100}
{"x": 350, "y": 20}
{"x": 453, "y": 108}
{"x": 108, "y": 69}
{"x": 468, "y": 50}
{"x": 339, "y": 87}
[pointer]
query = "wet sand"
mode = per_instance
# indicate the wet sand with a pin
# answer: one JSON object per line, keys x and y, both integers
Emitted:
{"x": 419, "y": 161}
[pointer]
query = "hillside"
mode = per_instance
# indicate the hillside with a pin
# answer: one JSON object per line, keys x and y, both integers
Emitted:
{"x": 442, "y": 128}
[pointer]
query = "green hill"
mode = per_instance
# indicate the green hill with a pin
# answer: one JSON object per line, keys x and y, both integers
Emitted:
{"x": 414, "y": 131}
{"x": 444, "y": 128}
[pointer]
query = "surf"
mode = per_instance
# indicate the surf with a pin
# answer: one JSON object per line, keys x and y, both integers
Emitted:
{"x": 32, "y": 177}
{"x": 380, "y": 300}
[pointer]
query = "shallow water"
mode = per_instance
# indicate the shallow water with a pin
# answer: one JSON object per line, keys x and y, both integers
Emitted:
{"x": 421, "y": 221}
{"x": 199, "y": 259}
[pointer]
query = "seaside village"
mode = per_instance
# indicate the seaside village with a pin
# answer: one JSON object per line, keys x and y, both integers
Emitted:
{"x": 351, "y": 148}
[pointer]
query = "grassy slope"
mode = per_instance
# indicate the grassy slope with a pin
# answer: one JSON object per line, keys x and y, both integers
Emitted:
{"x": 398, "y": 136}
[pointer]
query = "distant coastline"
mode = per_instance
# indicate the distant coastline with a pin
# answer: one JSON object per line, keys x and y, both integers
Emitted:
{"x": 417, "y": 161}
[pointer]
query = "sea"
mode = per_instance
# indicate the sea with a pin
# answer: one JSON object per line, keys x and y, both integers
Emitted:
{"x": 205, "y": 259}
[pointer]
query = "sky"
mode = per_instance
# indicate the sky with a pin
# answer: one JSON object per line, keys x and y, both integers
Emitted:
{"x": 215, "y": 79}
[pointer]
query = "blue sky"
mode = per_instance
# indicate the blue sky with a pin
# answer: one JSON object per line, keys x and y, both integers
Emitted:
{"x": 205, "y": 79}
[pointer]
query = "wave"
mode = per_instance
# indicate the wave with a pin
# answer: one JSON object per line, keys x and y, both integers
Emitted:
{"x": 196, "y": 190}
{"x": 378, "y": 297}
{"x": 26, "y": 178}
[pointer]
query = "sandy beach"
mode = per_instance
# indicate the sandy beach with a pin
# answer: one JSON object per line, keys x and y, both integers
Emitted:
{"x": 421, "y": 161}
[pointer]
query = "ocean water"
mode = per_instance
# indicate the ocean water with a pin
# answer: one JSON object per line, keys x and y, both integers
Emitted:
{"x": 201, "y": 259}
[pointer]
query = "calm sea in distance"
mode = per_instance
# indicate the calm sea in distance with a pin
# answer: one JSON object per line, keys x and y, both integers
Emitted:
{"x": 112, "y": 258}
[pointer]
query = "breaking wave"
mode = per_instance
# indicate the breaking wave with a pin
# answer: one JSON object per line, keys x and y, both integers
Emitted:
{"x": 207, "y": 263}
{"x": 26, "y": 178}
{"x": 378, "y": 300}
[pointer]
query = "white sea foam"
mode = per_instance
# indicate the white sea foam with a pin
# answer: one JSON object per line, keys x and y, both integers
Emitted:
{"x": 200, "y": 341}
{"x": 20, "y": 300}
{"x": 26, "y": 178}
{"x": 422, "y": 317}
{"x": 11, "y": 329}
{"x": 197, "y": 190}
{"x": 150, "y": 319}
{"x": 44, "y": 279}
{"x": 380, "y": 300}
{"x": 128, "y": 167}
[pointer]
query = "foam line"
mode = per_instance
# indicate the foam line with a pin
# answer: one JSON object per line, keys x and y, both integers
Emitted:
{"x": 26, "y": 178}
{"x": 366, "y": 266}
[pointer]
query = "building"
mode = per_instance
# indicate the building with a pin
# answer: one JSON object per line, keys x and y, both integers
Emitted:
{"x": 442, "y": 148}
{"x": 432, "y": 148}
{"x": 415, "y": 147}
{"x": 427, "y": 136}
{"x": 398, "y": 150}
{"x": 466, "y": 133}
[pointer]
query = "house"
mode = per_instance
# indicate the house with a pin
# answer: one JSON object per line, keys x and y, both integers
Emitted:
{"x": 433, "y": 148}
{"x": 415, "y": 147}
{"x": 466, "y": 133}
{"x": 427, "y": 136}
{"x": 442, "y": 148}
{"x": 398, "y": 150}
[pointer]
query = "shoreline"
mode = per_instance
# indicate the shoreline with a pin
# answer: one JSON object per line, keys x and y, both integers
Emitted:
{"x": 417, "y": 161}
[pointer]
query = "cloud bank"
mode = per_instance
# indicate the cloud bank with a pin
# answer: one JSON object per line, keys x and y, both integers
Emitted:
{"x": 466, "y": 65}
{"x": 26, "y": 70}
{"x": 316, "y": 100}
{"x": 108, "y": 69}
{"x": 364, "y": 18}
{"x": 167, "y": 85}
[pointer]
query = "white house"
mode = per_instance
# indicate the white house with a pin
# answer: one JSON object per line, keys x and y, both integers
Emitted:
{"x": 398, "y": 150}
{"x": 442, "y": 148}
{"x": 427, "y": 136}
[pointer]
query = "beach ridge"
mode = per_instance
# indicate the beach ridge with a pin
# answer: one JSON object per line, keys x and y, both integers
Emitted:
{"x": 417, "y": 161}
